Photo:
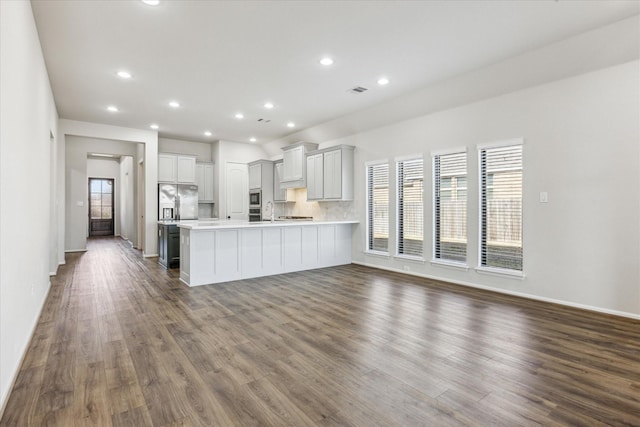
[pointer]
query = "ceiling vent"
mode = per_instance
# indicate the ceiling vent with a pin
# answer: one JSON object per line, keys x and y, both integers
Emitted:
{"x": 358, "y": 89}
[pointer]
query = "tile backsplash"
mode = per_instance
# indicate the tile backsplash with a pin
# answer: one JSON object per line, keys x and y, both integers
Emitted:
{"x": 318, "y": 210}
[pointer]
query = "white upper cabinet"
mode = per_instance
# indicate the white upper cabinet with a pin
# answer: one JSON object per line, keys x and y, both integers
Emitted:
{"x": 167, "y": 168}
{"x": 204, "y": 180}
{"x": 330, "y": 174}
{"x": 280, "y": 194}
{"x": 261, "y": 178}
{"x": 255, "y": 177}
{"x": 176, "y": 168}
{"x": 186, "y": 170}
{"x": 314, "y": 177}
{"x": 333, "y": 174}
{"x": 294, "y": 164}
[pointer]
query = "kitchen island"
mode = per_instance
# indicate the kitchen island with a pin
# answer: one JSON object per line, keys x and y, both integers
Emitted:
{"x": 220, "y": 251}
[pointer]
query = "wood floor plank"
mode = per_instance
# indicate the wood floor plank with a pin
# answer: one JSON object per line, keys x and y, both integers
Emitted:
{"x": 121, "y": 341}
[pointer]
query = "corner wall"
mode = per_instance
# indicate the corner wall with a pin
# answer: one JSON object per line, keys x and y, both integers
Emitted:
{"x": 28, "y": 118}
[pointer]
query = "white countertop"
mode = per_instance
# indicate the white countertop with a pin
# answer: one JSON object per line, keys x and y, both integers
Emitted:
{"x": 230, "y": 223}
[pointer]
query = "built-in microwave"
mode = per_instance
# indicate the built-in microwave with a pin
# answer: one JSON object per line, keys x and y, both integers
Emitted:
{"x": 254, "y": 198}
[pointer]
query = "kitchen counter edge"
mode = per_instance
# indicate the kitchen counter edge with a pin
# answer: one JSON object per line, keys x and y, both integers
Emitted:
{"x": 211, "y": 225}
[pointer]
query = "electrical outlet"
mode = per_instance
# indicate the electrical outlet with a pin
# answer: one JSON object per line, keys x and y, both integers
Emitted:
{"x": 406, "y": 268}
{"x": 33, "y": 289}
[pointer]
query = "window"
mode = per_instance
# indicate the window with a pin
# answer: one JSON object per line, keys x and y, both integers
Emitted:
{"x": 378, "y": 208}
{"x": 410, "y": 207}
{"x": 450, "y": 207}
{"x": 501, "y": 207}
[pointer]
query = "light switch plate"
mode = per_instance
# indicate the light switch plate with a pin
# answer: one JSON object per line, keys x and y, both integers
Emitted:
{"x": 80, "y": 203}
{"x": 544, "y": 197}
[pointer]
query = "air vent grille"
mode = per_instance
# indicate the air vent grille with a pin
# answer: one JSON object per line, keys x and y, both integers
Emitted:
{"x": 358, "y": 89}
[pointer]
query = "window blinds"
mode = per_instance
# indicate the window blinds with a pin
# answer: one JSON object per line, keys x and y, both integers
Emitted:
{"x": 410, "y": 207}
{"x": 501, "y": 207}
{"x": 450, "y": 207}
{"x": 378, "y": 207}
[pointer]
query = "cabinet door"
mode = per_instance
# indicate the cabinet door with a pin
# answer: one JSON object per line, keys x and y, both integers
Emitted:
{"x": 186, "y": 170}
{"x": 200, "y": 182}
{"x": 255, "y": 177}
{"x": 333, "y": 174}
{"x": 167, "y": 168}
{"x": 208, "y": 183}
{"x": 314, "y": 177}
{"x": 279, "y": 194}
{"x": 293, "y": 164}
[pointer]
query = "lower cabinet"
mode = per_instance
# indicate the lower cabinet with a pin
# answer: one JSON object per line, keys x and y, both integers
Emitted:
{"x": 169, "y": 245}
{"x": 231, "y": 254}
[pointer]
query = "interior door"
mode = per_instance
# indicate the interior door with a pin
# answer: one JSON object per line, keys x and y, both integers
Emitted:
{"x": 237, "y": 191}
{"x": 101, "y": 196}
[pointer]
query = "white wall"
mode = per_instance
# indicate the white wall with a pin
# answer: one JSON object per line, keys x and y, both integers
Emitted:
{"x": 127, "y": 199}
{"x": 581, "y": 146}
{"x": 27, "y": 119}
{"x": 106, "y": 168}
{"x": 202, "y": 150}
{"x": 236, "y": 152}
{"x": 77, "y": 172}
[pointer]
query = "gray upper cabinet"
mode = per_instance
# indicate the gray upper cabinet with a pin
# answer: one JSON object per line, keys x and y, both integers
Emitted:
{"x": 261, "y": 178}
{"x": 204, "y": 180}
{"x": 176, "y": 168}
{"x": 294, "y": 164}
{"x": 330, "y": 174}
{"x": 280, "y": 194}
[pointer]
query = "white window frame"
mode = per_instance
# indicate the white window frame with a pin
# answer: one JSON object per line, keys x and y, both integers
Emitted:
{"x": 434, "y": 260}
{"x": 368, "y": 164}
{"x": 398, "y": 160}
{"x": 495, "y": 271}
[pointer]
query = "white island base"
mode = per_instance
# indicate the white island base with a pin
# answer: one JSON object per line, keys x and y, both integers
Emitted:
{"x": 224, "y": 251}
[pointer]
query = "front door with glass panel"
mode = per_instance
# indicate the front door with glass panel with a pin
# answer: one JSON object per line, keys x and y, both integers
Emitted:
{"x": 100, "y": 207}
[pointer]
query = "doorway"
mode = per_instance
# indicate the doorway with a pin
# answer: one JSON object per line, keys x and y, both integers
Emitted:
{"x": 237, "y": 191}
{"x": 101, "y": 197}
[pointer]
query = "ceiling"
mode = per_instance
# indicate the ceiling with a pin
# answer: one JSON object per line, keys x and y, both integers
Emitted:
{"x": 221, "y": 58}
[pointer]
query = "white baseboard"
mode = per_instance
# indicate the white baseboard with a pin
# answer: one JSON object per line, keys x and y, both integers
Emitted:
{"x": 24, "y": 351}
{"x": 150, "y": 255}
{"x": 75, "y": 250}
{"x": 508, "y": 292}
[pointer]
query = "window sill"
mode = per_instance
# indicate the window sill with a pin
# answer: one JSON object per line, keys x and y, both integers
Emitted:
{"x": 450, "y": 264}
{"x": 409, "y": 258}
{"x": 502, "y": 272}
{"x": 378, "y": 254}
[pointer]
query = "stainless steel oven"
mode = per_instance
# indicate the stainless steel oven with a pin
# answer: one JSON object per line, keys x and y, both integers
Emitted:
{"x": 255, "y": 198}
{"x": 255, "y": 205}
{"x": 255, "y": 215}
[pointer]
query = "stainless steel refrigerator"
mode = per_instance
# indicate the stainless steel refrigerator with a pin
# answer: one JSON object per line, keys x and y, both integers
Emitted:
{"x": 177, "y": 201}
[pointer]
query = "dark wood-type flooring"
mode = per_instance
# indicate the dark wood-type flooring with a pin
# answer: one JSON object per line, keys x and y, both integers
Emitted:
{"x": 122, "y": 342}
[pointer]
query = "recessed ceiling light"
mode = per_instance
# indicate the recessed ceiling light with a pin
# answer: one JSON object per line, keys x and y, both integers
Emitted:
{"x": 207, "y": 133}
{"x": 383, "y": 81}
{"x": 174, "y": 104}
{"x": 326, "y": 61}
{"x": 151, "y": 2}
{"x": 154, "y": 126}
{"x": 291, "y": 124}
{"x": 112, "y": 108}
{"x": 252, "y": 139}
{"x": 268, "y": 105}
{"x": 124, "y": 74}
{"x": 239, "y": 116}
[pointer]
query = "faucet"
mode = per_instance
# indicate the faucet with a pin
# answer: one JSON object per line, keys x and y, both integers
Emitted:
{"x": 270, "y": 207}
